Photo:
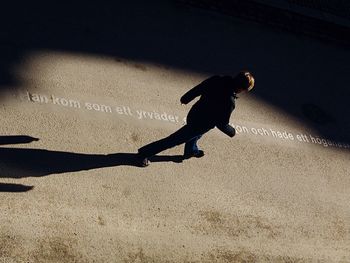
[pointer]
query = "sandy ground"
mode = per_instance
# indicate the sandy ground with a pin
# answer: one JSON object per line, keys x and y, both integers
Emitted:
{"x": 252, "y": 198}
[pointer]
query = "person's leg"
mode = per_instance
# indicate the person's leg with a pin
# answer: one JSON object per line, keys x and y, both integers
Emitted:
{"x": 191, "y": 146}
{"x": 182, "y": 135}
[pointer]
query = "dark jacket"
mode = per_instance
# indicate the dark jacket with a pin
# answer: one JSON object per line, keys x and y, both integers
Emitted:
{"x": 216, "y": 103}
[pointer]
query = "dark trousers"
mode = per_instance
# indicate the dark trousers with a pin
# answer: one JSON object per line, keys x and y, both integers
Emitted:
{"x": 188, "y": 134}
{"x": 191, "y": 145}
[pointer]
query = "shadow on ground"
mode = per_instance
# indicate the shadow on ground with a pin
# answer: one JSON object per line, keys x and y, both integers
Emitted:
{"x": 16, "y": 139}
{"x": 15, "y": 188}
{"x": 20, "y": 163}
{"x": 26, "y": 162}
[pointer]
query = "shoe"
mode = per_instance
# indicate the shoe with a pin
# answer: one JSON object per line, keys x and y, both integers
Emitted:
{"x": 145, "y": 162}
{"x": 142, "y": 160}
{"x": 197, "y": 154}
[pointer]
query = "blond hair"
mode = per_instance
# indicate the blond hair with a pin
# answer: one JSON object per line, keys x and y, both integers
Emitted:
{"x": 246, "y": 80}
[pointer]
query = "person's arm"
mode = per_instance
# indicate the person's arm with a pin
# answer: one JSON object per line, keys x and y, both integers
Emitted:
{"x": 227, "y": 129}
{"x": 223, "y": 122}
{"x": 196, "y": 91}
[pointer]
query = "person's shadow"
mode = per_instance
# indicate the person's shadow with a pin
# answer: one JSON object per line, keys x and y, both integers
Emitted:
{"x": 23, "y": 162}
{"x": 15, "y": 188}
{"x": 16, "y": 139}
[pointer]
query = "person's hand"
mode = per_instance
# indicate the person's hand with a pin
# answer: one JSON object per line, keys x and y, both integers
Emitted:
{"x": 233, "y": 132}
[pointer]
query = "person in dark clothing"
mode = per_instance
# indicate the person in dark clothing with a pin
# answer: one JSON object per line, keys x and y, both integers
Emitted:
{"x": 213, "y": 109}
